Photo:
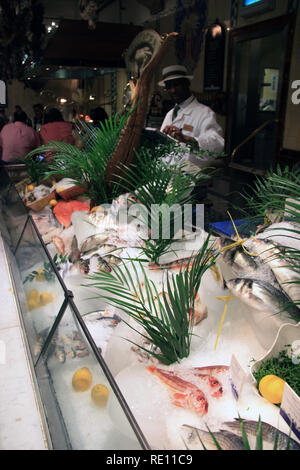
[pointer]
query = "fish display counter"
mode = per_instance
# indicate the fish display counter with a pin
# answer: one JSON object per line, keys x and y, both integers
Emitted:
{"x": 156, "y": 354}
{"x": 72, "y": 380}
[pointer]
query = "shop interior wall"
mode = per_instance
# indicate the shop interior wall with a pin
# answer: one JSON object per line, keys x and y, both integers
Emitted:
{"x": 164, "y": 22}
{"x": 291, "y": 135}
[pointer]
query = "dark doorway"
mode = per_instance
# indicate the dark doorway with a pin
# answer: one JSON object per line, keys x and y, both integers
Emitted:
{"x": 259, "y": 62}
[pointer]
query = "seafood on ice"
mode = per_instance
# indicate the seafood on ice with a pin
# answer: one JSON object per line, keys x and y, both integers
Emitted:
{"x": 183, "y": 394}
{"x": 177, "y": 264}
{"x": 198, "y": 439}
{"x": 96, "y": 263}
{"x": 262, "y": 296}
{"x": 63, "y": 346}
{"x": 283, "y": 267}
{"x": 267, "y": 277}
{"x": 230, "y": 437}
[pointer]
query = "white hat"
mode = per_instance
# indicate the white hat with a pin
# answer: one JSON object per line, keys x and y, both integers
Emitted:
{"x": 173, "y": 72}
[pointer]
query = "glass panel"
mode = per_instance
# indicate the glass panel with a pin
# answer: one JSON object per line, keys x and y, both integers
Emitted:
{"x": 256, "y": 92}
{"x": 13, "y": 211}
{"x": 85, "y": 403}
{"x": 41, "y": 294}
{"x": 269, "y": 88}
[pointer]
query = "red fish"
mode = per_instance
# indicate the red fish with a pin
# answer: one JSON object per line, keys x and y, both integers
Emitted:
{"x": 215, "y": 386}
{"x": 184, "y": 394}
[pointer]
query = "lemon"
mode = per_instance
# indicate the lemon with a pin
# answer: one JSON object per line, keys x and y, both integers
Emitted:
{"x": 33, "y": 294}
{"x": 46, "y": 298}
{"x": 82, "y": 379}
{"x": 100, "y": 394}
{"x": 53, "y": 202}
{"x": 60, "y": 189}
{"x": 30, "y": 187}
{"x": 271, "y": 388}
{"x": 32, "y": 304}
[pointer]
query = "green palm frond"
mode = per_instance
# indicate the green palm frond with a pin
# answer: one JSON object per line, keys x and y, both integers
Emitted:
{"x": 36, "y": 169}
{"x": 259, "y": 437}
{"x": 159, "y": 187}
{"x": 269, "y": 193}
{"x": 165, "y": 319}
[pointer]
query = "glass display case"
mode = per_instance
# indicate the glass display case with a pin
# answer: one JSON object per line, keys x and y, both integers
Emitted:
{"x": 82, "y": 404}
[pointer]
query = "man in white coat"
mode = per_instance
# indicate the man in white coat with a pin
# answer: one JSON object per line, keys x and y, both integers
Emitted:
{"x": 189, "y": 122}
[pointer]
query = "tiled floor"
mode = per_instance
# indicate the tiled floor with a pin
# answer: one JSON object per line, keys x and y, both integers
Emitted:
{"x": 20, "y": 421}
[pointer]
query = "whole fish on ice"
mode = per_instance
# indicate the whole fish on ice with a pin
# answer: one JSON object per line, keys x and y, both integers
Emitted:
{"x": 261, "y": 296}
{"x": 284, "y": 270}
{"x": 184, "y": 394}
{"x": 192, "y": 438}
{"x": 283, "y": 233}
{"x": 230, "y": 437}
{"x": 214, "y": 385}
{"x": 93, "y": 242}
{"x": 268, "y": 434}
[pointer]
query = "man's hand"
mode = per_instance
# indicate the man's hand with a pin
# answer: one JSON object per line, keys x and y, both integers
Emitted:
{"x": 176, "y": 133}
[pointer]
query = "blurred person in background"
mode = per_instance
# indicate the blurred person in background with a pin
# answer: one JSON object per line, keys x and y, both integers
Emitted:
{"x": 55, "y": 128}
{"x": 17, "y": 139}
{"x": 18, "y": 109}
{"x": 98, "y": 115}
{"x": 38, "y": 119}
{"x": 3, "y": 119}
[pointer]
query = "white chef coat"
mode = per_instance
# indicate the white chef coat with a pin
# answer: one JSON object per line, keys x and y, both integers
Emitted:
{"x": 199, "y": 121}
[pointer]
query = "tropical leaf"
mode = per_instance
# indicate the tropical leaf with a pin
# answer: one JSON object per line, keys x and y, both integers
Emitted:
{"x": 162, "y": 190}
{"x": 165, "y": 320}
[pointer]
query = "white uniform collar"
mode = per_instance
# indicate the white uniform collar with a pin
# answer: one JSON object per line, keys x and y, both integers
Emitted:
{"x": 186, "y": 103}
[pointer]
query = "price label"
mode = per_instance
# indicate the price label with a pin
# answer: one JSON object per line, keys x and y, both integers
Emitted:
{"x": 290, "y": 409}
{"x": 237, "y": 377}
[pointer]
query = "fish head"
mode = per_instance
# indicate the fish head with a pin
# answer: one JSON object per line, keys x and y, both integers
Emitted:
{"x": 216, "y": 387}
{"x": 198, "y": 402}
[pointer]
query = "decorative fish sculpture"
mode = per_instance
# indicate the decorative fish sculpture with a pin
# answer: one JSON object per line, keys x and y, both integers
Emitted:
{"x": 124, "y": 153}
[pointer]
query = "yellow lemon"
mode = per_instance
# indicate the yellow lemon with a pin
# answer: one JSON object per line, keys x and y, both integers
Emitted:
{"x": 33, "y": 294}
{"x": 100, "y": 394}
{"x": 271, "y": 388}
{"x": 60, "y": 189}
{"x": 82, "y": 379}
{"x": 46, "y": 298}
{"x": 32, "y": 304}
{"x": 30, "y": 187}
{"x": 53, "y": 202}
